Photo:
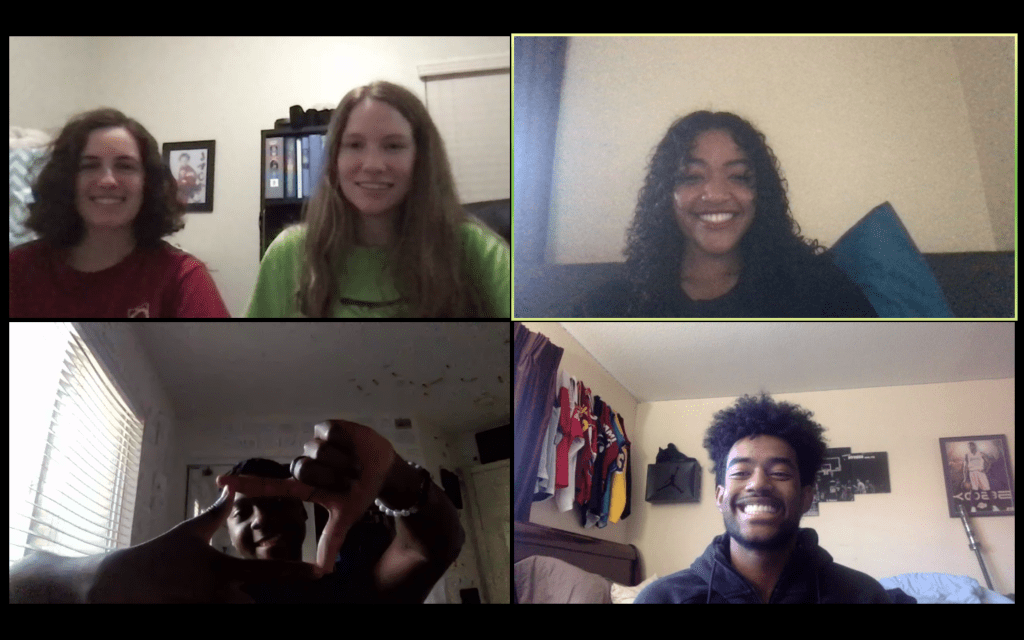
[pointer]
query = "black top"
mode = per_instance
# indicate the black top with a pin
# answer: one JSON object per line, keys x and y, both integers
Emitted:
{"x": 351, "y": 582}
{"x": 810, "y": 577}
{"x": 823, "y": 291}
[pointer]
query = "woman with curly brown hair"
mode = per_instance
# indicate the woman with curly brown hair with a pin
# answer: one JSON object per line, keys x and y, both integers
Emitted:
{"x": 103, "y": 202}
{"x": 713, "y": 235}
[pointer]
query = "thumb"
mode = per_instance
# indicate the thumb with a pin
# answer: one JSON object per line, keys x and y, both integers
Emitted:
{"x": 213, "y": 517}
{"x": 377, "y": 457}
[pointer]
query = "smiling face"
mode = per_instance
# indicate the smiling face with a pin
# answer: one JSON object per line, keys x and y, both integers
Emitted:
{"x": 762, "y": 500}
{"x": 108, "y": 191}
{"x": 714, "y": 195}
{"x": 267, "y": 528}
{"x": 375, "y": 162}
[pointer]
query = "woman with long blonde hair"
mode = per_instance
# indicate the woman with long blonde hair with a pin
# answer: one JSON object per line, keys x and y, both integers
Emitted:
{"x": 384, "y": 234}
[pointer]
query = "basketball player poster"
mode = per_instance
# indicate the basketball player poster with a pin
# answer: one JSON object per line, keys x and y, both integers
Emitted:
{"x": 978, "y": 475}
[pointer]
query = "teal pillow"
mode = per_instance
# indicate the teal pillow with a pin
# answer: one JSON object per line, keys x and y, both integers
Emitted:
{"x": 879, "y": 255}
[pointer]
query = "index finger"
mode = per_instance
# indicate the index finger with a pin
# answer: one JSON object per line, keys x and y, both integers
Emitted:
{"x": 257, "y": 486}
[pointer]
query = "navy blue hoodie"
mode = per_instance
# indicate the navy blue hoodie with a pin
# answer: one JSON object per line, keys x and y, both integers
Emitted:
{"x": 810, "y": 576}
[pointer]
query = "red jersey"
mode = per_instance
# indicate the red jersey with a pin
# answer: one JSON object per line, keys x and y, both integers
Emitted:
{"x": 149, "y": 283}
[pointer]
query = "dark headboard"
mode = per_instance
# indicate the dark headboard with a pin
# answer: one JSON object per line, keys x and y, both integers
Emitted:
{"x": 613, "y": 560}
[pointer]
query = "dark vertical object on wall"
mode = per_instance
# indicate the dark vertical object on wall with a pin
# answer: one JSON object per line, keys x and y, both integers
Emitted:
{"x": 540, "y": 67}
{"x": 536, "y": 367}
{"x": 492, "y": 445}
{"x": 975, "y": 547}
{"x": 452, "y": 489}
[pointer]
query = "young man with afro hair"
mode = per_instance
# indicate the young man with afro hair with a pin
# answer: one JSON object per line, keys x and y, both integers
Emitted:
{"x": 765, "y": 455}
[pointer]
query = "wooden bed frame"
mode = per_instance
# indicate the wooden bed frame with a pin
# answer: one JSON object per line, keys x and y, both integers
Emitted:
{"x": 613, "y": 560}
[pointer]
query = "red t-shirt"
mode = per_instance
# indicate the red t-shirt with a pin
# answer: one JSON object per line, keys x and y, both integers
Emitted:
{"x": 149, "y": 283}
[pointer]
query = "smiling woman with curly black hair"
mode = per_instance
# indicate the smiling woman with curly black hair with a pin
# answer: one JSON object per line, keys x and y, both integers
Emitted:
{"x": 713, "y": 235}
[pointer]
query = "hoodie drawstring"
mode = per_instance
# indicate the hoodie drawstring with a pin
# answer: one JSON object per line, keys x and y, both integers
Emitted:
{"x": 713, "y": 567}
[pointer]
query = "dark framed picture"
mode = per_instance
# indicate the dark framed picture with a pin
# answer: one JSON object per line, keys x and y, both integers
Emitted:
{"x": 191, "y": 164}
{"x": 978, "y": 475}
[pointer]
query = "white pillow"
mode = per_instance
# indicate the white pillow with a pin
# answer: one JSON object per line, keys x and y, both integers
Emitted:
{"x": 621, "y": 594}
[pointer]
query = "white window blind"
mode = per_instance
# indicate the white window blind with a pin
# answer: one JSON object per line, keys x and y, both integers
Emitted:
{"x": 469, "y": 101}
{"x": 75, "y": 447}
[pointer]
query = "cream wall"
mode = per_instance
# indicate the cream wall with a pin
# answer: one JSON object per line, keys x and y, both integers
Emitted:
{"x": 882, "y": 535}
{"x": 925, "y": 123}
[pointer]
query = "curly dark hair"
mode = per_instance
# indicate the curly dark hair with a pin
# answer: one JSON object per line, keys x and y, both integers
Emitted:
{"x": 54, "y": 215}
{"x": 265, "y": 468}
{"x": 261, "y": 467}
{"x": 761, "y": 415}
{"x": 773, "y": 249}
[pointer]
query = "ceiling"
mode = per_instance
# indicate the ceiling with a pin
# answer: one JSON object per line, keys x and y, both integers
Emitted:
{"x": 455, "y": 375}
{"x": 690, "y": 360}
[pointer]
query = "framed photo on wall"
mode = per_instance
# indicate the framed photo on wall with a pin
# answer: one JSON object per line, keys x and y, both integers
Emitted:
{"x": 191, "y": 164}
{"x": 978, "y": 475}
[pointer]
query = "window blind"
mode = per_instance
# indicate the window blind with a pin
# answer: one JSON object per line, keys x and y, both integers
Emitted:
{"x": 75, "y": 447}
{"x": 469, "y": 101}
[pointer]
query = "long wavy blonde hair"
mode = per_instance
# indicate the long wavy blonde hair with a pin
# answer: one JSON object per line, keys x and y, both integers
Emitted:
{"x": 426, "y": 260}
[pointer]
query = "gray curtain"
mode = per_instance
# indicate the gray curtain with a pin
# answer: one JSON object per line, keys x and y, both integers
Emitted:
{"x": 540, "y": 67}
{"x": 534, "y": 376}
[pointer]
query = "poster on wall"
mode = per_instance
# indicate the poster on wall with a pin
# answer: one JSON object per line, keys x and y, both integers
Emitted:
{"x": 867, "y": 472}
{"x": 978, "y": 475}
{"x": 832, "y": 483}
{"x": 191, "y": 165}
{"x": 845, "y": 473}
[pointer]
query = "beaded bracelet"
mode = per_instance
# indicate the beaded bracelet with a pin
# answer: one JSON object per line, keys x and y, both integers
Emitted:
{"x": 424, "y": 489}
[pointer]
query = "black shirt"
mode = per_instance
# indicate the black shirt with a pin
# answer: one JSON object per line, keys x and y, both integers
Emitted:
{"x": 820, "y": 291}
{"x": 351, "y": 582}
{"x": 809, "y": 577}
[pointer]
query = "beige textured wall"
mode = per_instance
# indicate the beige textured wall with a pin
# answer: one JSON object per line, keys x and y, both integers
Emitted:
{"x": 923, "y": 122}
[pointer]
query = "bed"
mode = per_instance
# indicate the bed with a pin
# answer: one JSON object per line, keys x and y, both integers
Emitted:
{"x": 555, "y": 566}
{"x": 28, "y": 146}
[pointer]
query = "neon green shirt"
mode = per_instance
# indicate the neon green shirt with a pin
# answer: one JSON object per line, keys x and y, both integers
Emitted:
{"x": 486, "y": 255}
